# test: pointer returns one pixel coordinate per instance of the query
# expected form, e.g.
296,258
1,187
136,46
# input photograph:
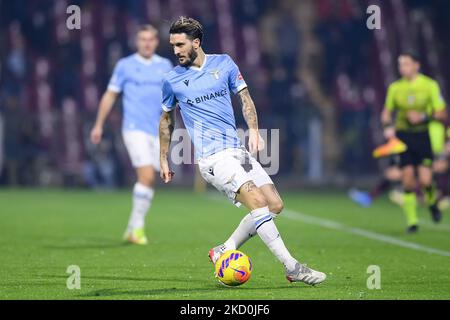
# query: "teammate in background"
139,76
201,86
417,100
392,177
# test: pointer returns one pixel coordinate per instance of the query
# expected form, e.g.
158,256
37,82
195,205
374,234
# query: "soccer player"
201,86
139,76
417,100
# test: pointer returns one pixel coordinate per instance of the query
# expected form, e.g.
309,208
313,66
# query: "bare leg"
258,204
246,228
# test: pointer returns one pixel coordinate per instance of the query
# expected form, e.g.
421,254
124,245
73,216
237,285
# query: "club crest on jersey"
215,73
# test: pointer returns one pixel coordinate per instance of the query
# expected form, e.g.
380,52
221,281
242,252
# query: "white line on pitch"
294,215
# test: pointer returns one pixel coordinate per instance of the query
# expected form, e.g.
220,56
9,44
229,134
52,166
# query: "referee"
415,100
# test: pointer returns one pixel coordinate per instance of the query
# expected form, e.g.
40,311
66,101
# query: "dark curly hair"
191,27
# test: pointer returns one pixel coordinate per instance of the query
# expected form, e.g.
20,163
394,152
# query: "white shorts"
142,147
229,169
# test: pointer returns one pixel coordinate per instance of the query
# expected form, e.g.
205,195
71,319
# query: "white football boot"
302,273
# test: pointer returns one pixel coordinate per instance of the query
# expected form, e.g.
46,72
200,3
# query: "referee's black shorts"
419,152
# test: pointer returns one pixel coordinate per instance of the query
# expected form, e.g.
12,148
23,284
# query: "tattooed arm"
248,109
166,126
255,141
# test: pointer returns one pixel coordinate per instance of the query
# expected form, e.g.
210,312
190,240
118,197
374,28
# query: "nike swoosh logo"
240,271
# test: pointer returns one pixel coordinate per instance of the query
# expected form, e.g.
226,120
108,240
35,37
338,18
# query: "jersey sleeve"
117,80
390,98
235,80
437,101
169,101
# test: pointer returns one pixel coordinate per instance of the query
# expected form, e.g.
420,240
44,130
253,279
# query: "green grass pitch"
42,232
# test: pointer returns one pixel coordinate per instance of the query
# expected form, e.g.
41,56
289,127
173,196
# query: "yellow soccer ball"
233,268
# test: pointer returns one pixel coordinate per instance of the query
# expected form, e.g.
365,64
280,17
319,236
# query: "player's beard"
192,55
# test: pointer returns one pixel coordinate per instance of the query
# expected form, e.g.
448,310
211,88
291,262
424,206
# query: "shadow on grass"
119,278
179,291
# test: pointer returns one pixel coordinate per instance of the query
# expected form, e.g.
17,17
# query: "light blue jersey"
203,95
140,80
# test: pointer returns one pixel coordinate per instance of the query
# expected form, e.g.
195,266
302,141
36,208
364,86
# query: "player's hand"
166,173
416,117
96,134
389,133
255,141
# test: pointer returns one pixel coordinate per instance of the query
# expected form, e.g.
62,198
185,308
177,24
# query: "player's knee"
409,183
259,200
146,178
425,180
393,174
276,206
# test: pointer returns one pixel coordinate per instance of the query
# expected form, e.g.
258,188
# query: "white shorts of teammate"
229,169
143,148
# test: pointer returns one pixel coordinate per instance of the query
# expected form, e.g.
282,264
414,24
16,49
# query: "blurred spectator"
100,166
353,119
20,145
12,133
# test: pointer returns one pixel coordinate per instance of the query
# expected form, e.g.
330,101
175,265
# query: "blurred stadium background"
314,69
